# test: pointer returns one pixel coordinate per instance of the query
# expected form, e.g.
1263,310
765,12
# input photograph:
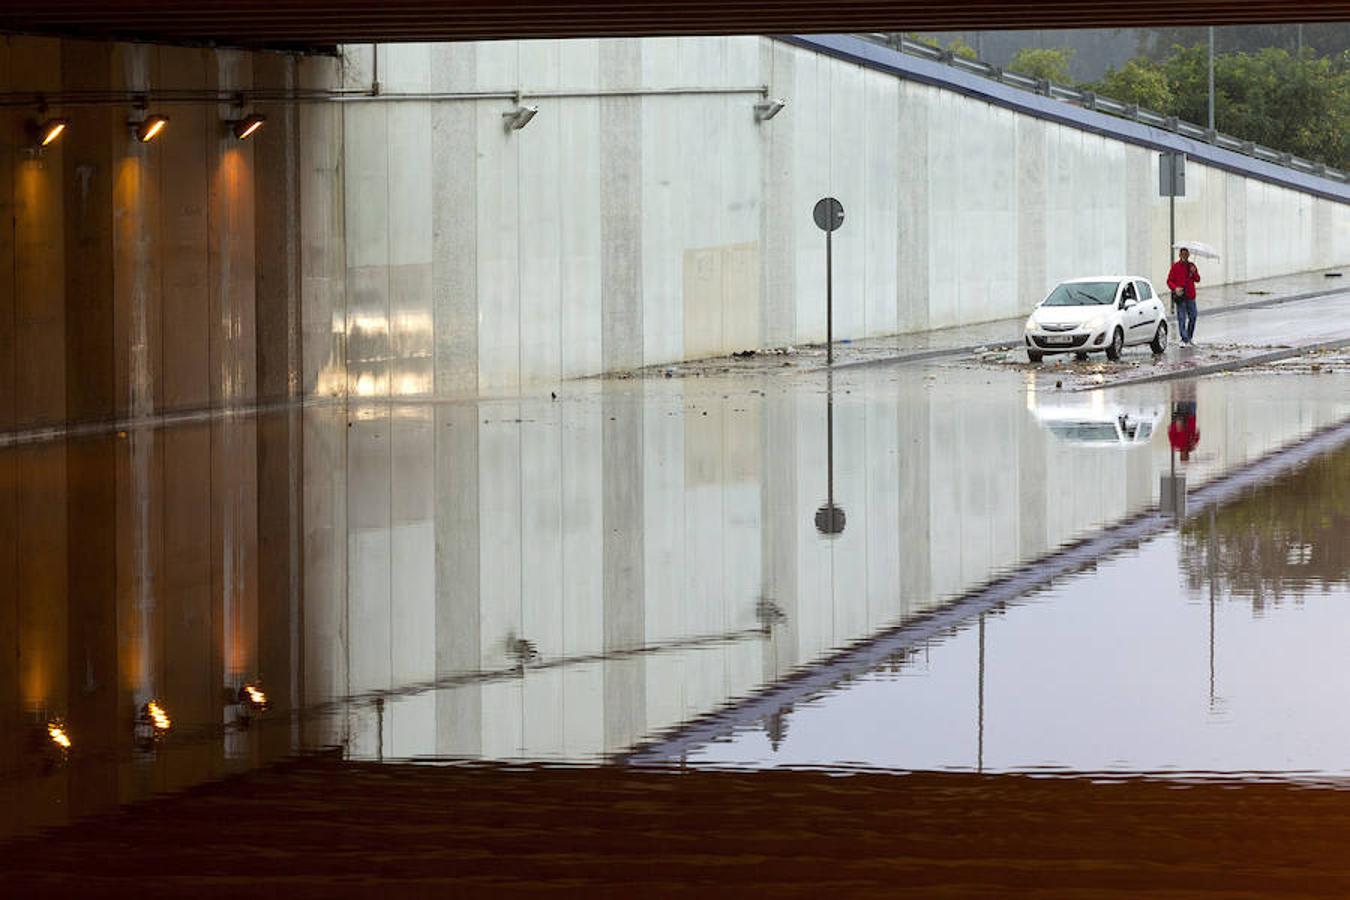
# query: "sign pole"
1171,227
829,215
829,298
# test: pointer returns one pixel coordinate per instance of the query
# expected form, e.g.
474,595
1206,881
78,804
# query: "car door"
1141,320
1129,312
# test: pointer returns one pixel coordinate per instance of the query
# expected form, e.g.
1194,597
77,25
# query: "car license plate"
1059,339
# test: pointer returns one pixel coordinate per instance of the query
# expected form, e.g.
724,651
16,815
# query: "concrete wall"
138,279
619,231
387,247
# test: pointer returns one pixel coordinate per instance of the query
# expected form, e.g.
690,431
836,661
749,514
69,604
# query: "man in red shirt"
1184,433
1182,279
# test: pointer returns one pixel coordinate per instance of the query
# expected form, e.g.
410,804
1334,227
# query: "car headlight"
1097,324
1030,326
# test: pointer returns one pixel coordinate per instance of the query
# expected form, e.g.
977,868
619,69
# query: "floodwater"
890,570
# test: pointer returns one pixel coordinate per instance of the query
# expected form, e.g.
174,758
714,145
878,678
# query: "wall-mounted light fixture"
150,127
519,117
767,109
48,131
245,128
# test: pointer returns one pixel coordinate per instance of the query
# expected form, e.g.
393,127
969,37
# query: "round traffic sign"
829,214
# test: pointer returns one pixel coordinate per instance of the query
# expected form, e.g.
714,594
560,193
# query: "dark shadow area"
324,828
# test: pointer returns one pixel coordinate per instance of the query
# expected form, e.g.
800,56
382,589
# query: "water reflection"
1289,539
830,518
539,578
1209,651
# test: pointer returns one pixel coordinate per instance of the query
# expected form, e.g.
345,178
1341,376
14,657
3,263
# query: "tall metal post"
829,298
829,215
1171,228
1211,78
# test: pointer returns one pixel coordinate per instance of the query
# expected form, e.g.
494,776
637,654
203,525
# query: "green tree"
1139,81
956,46
1052,64
1323,38
1300,105
960,48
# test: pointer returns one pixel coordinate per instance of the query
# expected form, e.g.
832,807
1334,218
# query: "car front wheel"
1159,342
1117,344
1035,355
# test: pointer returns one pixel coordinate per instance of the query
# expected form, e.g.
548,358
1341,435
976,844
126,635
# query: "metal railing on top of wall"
1109,105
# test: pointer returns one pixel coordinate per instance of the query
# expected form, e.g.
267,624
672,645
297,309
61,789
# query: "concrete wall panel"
36,343
914,209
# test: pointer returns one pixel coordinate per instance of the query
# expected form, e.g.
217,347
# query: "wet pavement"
682,573
1240,324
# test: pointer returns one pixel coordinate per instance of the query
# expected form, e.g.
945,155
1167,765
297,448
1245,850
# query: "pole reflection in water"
830,519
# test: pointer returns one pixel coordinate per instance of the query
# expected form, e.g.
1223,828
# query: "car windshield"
1083,293
1084,431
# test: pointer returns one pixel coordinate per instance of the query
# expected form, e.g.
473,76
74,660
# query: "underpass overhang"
316,24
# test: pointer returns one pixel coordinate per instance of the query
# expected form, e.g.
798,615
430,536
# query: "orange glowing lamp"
50,131
150,128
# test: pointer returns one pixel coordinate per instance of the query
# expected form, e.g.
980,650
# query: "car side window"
1144,292
1128,293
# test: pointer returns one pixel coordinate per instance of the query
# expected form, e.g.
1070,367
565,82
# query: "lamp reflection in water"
152,723
58,735
251,701
253,695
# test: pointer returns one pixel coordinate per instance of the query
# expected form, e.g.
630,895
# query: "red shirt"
1184,434
1184,275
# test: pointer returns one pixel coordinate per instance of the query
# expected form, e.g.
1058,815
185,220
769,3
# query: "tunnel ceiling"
319,23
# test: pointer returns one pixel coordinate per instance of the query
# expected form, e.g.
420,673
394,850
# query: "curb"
1214,368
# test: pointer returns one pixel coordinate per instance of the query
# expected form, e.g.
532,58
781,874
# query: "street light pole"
1211,78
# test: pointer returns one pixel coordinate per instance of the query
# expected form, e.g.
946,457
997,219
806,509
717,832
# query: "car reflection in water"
1093,419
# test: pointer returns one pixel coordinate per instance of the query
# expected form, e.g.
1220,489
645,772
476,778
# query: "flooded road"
1215,650
577,579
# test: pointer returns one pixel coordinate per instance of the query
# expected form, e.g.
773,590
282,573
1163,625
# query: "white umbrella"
1197,248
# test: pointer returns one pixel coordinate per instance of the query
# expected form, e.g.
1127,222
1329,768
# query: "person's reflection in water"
1184,433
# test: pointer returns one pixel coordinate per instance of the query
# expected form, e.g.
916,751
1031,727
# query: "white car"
1103,314
1093,420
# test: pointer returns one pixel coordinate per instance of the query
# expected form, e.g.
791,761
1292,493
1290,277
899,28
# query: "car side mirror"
1128,302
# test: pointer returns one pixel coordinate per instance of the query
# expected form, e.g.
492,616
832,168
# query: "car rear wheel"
1035,355
1117,344
1159,342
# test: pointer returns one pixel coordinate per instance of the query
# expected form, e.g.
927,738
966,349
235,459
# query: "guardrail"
1089,100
